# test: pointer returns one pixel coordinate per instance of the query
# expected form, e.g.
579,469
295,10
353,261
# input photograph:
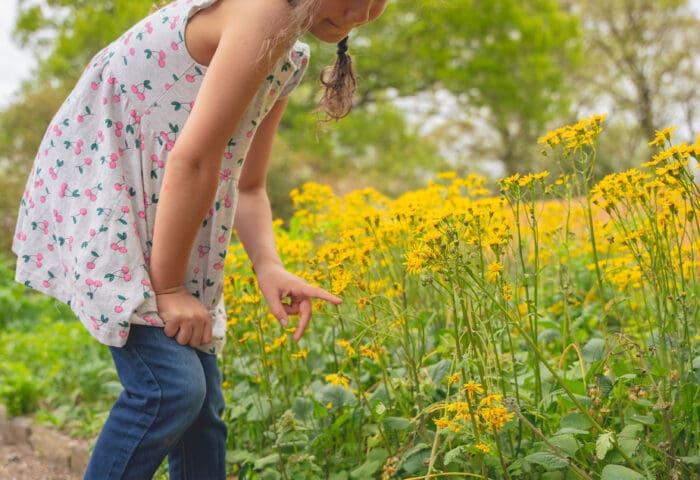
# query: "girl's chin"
328,33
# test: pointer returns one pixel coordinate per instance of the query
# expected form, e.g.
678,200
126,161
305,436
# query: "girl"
129,207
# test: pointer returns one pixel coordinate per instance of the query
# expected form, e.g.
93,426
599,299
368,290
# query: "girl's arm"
236,70
254,226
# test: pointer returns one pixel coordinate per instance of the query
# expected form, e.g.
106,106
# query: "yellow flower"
340,279
472,387
507,291
416,259
483,447
301,354
347,346
662,136
245,337
337,380
368,352
277,343
495,417
441,423
493,271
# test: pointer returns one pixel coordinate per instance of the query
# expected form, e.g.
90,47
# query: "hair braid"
340,83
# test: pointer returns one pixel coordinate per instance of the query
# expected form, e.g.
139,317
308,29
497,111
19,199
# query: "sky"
15,65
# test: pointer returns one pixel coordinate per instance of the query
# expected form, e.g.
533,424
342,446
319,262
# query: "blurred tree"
641,65
504,63
22,126
65,34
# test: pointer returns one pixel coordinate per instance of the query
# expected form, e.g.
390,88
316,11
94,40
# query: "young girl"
129,208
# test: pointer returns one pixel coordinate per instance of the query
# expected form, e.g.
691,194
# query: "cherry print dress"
85,226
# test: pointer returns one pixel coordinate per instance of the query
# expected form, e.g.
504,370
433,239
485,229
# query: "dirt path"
21,462
33,452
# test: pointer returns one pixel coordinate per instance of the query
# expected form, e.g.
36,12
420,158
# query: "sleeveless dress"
85,226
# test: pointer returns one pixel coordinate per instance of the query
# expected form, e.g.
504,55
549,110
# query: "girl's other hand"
185,318
277,284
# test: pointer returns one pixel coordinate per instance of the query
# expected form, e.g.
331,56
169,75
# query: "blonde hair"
338,80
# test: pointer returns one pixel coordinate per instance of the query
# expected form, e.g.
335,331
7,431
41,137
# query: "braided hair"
340,83
339,80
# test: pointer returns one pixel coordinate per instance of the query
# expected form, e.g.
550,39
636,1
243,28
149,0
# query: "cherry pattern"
85,225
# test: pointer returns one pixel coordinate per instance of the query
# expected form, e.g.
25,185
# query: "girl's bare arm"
254,226
237,69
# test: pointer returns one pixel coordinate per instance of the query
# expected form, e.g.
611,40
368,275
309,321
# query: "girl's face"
334,19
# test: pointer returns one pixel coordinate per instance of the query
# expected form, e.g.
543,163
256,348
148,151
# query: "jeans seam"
153,416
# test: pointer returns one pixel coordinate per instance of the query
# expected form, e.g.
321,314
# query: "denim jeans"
171,406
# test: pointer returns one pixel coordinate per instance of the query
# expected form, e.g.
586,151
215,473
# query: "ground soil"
21,462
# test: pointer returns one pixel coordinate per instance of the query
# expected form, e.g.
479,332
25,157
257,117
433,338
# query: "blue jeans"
171,406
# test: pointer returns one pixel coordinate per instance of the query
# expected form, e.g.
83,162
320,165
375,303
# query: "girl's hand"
277,284
185,317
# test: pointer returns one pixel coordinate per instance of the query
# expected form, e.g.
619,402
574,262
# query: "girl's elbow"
195,163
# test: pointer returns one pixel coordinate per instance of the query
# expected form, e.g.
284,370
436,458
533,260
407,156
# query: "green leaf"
547,460
573,431
628,438
239,456
413,460
567,443
269,460
618,472
270,475
643,419
594,350
439,370
336,395
303,408
375,459
258,412
603,444
453,455
397,423
604,384
339,476
577,421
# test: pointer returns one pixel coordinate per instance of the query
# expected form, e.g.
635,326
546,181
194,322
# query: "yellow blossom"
337,380
277,343
483,447
493,271
347,346
472,387
368,352
300,354
662,136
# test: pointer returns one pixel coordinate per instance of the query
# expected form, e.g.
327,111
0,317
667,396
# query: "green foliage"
505,62
20,390
22,308
499,336
65,34
50,365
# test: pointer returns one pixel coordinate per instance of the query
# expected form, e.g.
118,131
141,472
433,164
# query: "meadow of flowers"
547,329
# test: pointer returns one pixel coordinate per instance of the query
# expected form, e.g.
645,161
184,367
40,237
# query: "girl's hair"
339,80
